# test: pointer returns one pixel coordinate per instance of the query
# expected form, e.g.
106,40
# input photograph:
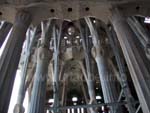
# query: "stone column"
4,31
108,84
88,72
99,54
38,96
141,34
57,42
10,58
137,68
122,72
22,90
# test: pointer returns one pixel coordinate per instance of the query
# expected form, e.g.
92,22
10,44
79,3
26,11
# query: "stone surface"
10,58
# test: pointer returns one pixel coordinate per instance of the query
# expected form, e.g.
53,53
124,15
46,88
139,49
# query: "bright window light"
65,37
74,99
82,110
72,110
98,97
147,20
47,111
103,108
78,110
94,21
51,100
68,110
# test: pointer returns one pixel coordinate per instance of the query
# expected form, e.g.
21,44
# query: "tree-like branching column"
29,44
122,73
137,68
141,34
57,42
108,86
10,58
37,103
88,73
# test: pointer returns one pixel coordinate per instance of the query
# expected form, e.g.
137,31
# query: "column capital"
97,51
23,17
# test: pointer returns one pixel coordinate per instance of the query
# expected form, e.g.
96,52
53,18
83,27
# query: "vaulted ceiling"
72,9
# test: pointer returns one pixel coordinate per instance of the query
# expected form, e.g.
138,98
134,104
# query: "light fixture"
65,37
94,21
51,100
98,97
74,99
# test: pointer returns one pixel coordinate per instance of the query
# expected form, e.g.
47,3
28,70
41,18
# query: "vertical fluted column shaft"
123,77
99,54
39,87
108,84
4,31
137,68
57,42
56,70
22,90
38,95
89,78
10,58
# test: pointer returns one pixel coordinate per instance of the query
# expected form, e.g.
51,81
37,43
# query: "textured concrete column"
38,96
122,73
88,73
108,87
141,34
57,41
4,31
99,54
10,58
22,90
139,72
